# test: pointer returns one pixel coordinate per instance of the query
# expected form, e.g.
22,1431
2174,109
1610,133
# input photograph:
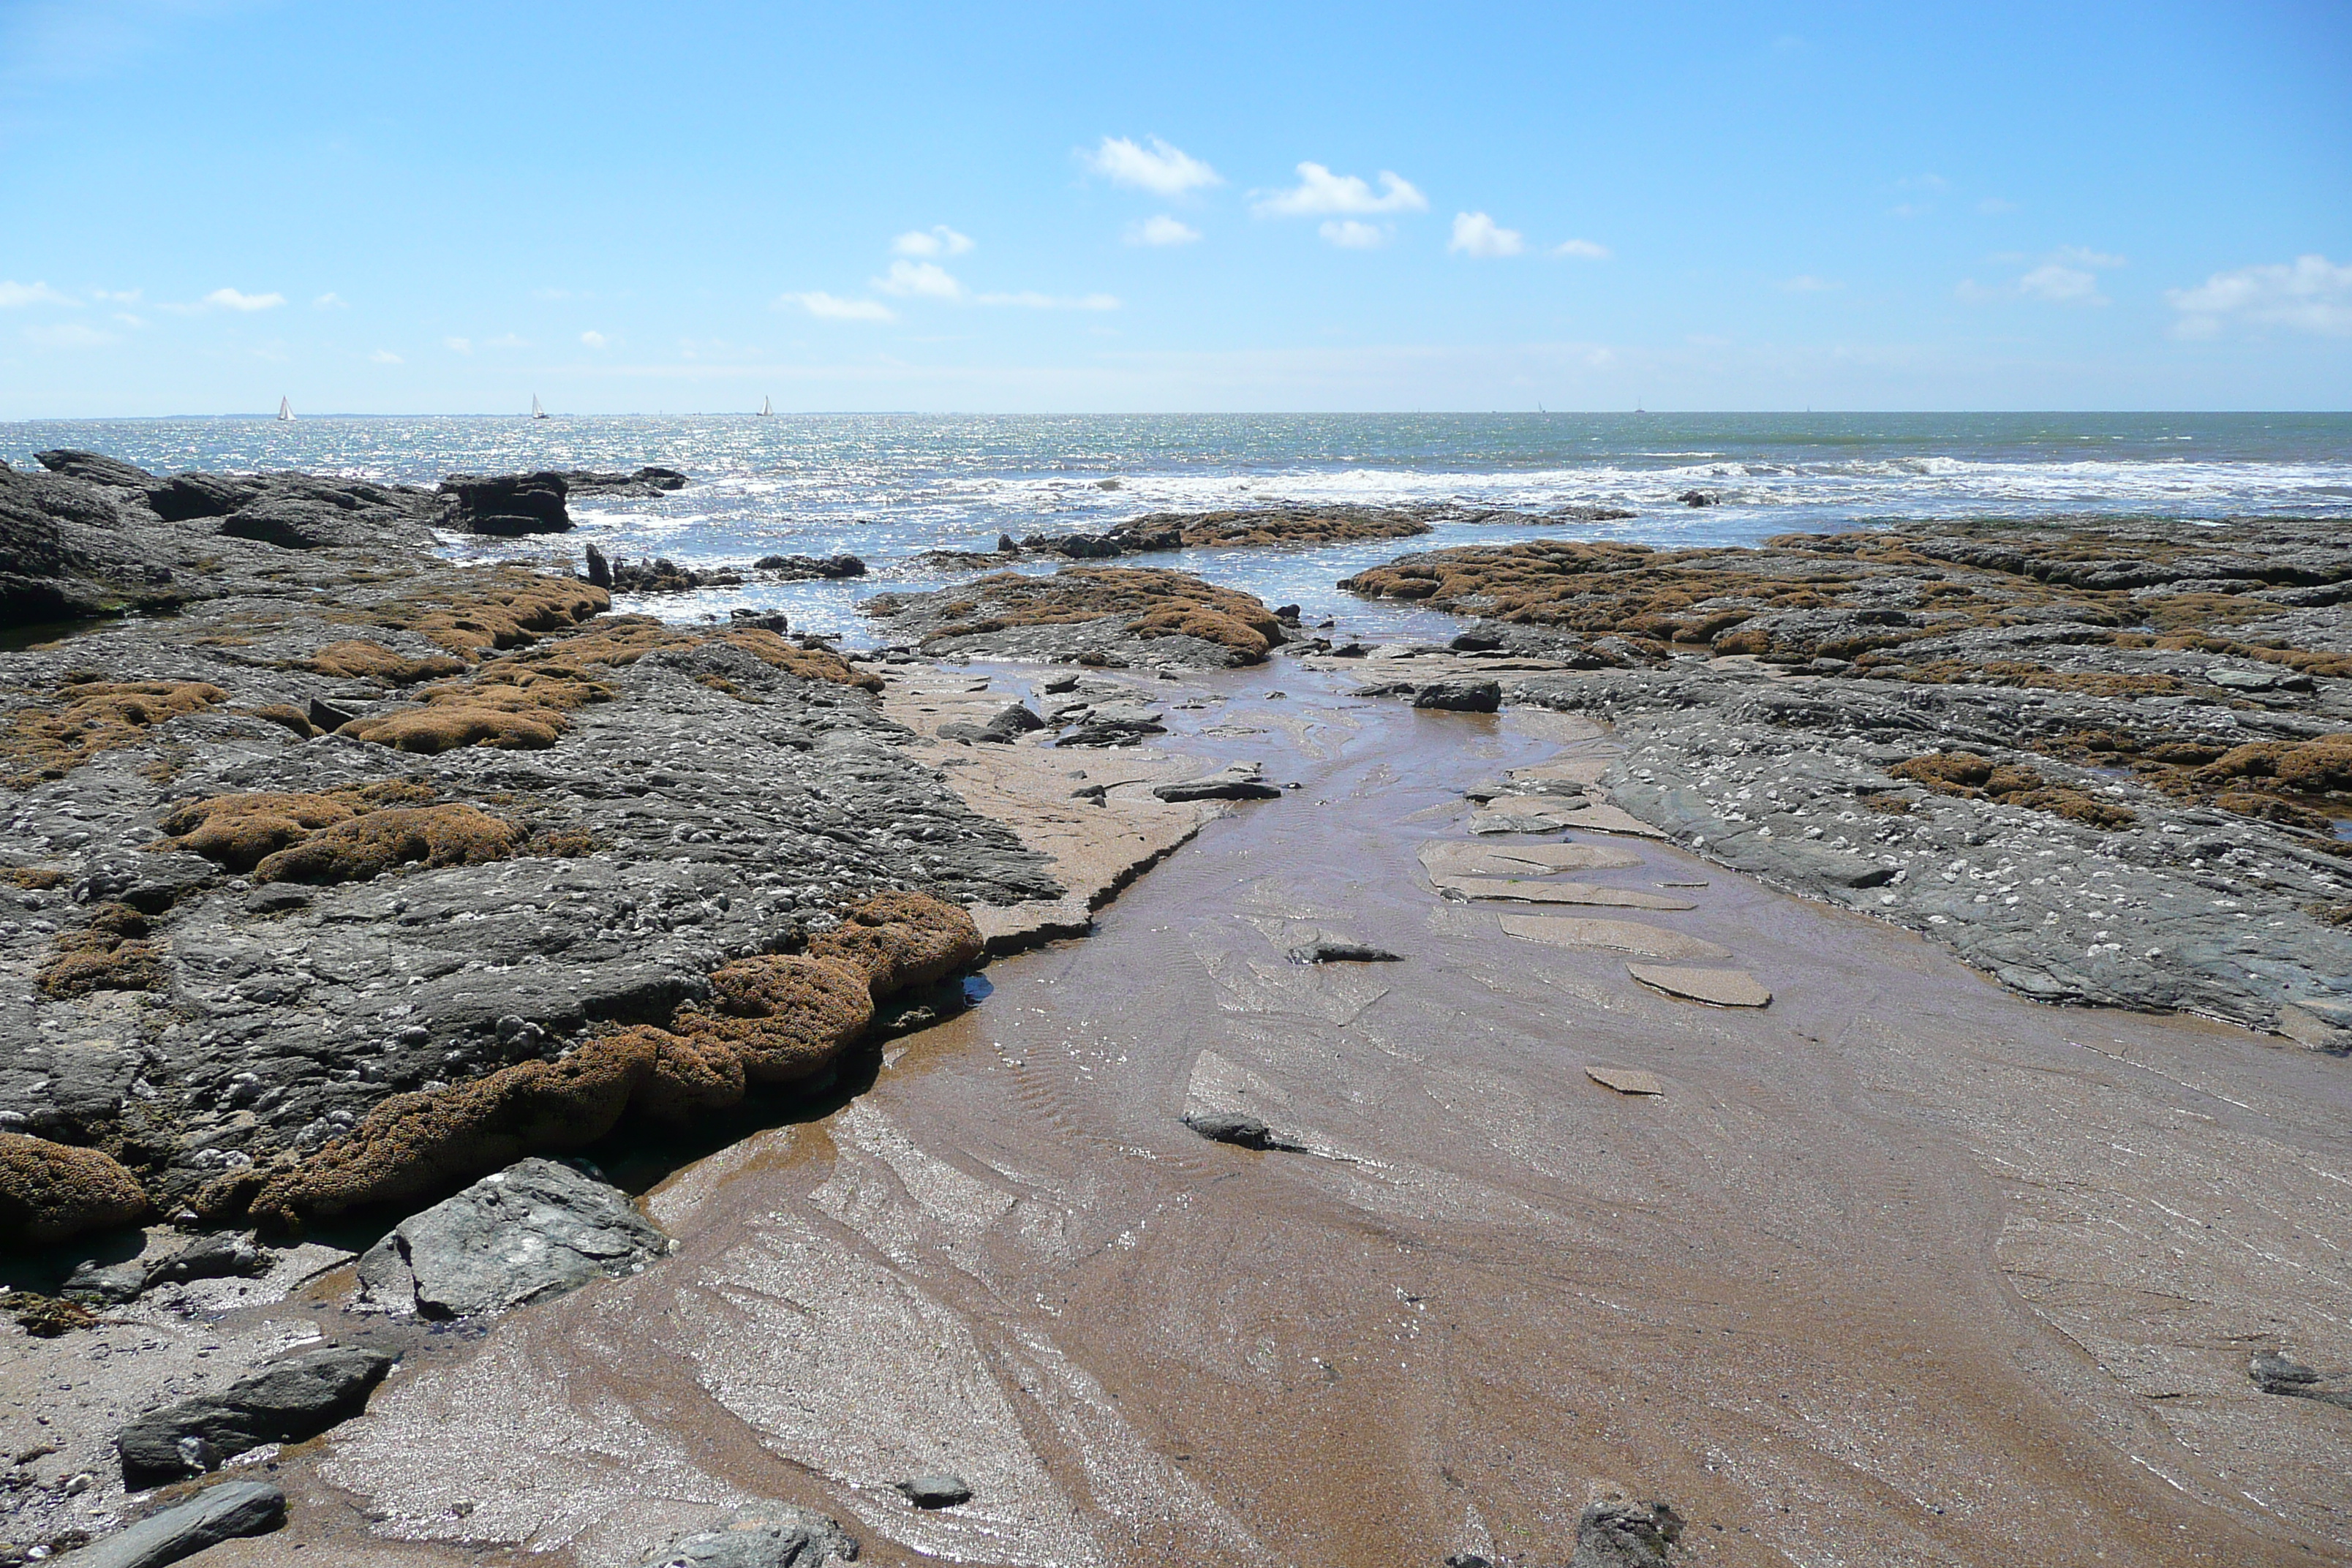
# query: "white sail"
536,411
285,409
767,406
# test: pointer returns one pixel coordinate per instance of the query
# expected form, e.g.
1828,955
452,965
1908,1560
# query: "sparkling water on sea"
887,487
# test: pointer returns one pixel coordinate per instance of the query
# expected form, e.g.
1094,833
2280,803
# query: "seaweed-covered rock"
51,1192
1108,615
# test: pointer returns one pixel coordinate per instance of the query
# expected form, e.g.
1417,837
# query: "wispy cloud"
330,301
69,336
2069,276
594,340
1994,207
833,307
927,279
119,296
1476,233
2309,294
1030,300
937,240
385,357
1320,191
459,345
1160,230
505,341
1806,283
236,299
1348,234
15,296
1161,169
1582,249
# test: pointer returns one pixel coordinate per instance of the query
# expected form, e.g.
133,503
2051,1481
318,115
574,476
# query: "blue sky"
445,208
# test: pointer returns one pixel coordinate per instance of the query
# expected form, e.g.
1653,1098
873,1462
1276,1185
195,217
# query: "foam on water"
886,487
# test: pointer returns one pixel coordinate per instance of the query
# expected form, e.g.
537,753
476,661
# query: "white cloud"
1321,190
128,320
1476,233
1349,234
937,240
1031,300
833,307
1994,207
2075,255
2058,284
1159,168
68,336
119,297
594,340
233,299
927,278
1806,283
385,357
1583,249
15,295
2310,294
505,341
1160,230
330,301
461,345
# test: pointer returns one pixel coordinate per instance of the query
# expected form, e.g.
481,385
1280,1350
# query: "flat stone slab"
1627,1080
1615,819
1616,936
1518,822
1442,856
215,1514
1716,987
1575,770
1535,891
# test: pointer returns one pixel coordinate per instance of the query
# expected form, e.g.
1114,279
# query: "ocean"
887,487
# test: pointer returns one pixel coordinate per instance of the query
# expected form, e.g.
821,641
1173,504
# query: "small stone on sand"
935,1492
1627,1080
1717,988
1619,936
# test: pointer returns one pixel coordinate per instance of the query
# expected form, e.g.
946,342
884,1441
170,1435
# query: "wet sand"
1899,1269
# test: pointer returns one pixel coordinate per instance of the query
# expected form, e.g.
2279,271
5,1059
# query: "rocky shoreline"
340,885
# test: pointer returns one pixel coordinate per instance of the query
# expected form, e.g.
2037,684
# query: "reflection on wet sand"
1898,1270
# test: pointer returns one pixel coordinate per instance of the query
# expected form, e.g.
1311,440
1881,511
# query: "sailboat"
536,411
767,406
285,409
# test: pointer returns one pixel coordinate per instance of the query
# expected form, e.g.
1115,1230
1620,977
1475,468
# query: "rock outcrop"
286,1401
1108,616
762,1535
533,1230
216,1514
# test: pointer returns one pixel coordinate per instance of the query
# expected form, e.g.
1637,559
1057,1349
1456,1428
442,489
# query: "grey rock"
1460,696
2275,1373
942,1490
218,1514
95,468
533,1230
507,504
223,1256
1240,781
1615,1531
112,1283
1241,1131
1332,950
762,1535
283,1402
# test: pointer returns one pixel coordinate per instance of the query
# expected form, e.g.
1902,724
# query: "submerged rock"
762,1535
1241,1131
1616,1531
224,1512
1335,949
284,1403
1243,781
533,1230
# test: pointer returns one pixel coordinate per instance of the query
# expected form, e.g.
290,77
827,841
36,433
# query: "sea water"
886,487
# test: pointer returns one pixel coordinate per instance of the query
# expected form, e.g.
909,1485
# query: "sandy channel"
1897,1270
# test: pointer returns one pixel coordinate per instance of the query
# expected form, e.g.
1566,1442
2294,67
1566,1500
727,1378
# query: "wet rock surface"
1274,526
2014,739
284,1403
762,1536
216,1514
533,1230
1109,616
518,832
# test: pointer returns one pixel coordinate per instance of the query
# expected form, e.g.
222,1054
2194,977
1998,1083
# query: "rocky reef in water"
2106,761
363,874
1108,616
1295,526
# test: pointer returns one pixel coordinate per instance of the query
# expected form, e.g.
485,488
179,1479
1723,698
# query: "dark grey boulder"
935,1492
646,481
283,1402
2275,1373
213,1515
507,504
1240,781
1242,1132
226,1254
94,468
1006,727
763,1535
1329,950
804,566
296,524
1460,696
533,1230
600,570
1615,1531
109,1283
